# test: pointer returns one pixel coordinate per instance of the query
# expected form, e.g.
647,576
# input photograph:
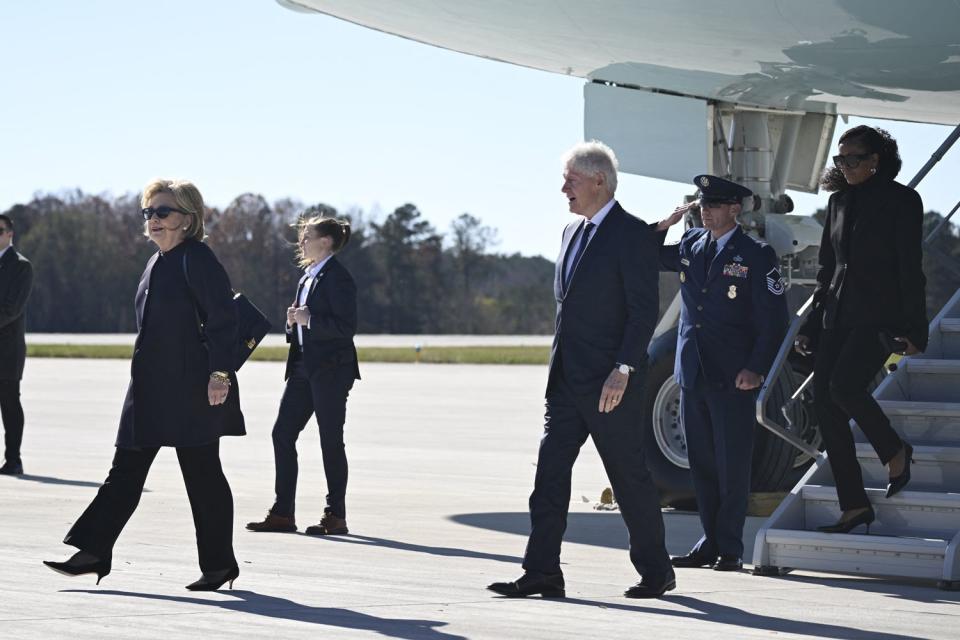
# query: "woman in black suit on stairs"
183,392
869,302
321,369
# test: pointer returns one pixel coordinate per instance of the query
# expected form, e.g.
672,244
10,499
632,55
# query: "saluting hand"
676,216
747,380
613,390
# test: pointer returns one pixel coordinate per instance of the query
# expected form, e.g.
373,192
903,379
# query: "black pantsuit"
97,530
846,363
870,281
324,394
16,281
167,404
11,412
319,374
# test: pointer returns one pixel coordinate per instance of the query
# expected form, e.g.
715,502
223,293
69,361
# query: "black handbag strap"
193,298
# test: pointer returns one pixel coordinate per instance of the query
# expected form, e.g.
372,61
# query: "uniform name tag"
736,270
684,262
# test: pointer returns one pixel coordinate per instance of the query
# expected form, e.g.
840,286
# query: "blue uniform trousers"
719,429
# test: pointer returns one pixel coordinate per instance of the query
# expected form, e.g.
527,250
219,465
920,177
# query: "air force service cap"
719,191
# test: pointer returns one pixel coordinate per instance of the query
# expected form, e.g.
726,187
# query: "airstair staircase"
917,532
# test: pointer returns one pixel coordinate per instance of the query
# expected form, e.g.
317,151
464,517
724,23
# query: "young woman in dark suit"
182,393
869,301
321,368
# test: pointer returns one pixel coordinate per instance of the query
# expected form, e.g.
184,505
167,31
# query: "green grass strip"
433,355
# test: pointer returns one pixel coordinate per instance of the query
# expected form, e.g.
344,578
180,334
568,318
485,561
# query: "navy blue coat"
608,313
732,318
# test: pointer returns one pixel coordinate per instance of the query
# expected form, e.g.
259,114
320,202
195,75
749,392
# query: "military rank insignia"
732,291
736,270
775,282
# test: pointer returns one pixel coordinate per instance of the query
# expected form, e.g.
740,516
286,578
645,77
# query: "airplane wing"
897,60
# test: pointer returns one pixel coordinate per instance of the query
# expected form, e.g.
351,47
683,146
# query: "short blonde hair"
187,197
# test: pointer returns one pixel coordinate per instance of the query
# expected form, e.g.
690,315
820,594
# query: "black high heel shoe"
845,526
899,482
75,567
215,580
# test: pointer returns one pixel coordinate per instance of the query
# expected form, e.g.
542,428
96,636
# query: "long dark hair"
872,140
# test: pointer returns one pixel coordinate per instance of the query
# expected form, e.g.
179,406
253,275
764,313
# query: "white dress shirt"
310,274
597,218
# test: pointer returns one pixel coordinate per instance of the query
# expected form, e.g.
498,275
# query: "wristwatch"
625,369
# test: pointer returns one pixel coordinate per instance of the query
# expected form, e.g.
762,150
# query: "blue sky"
245,96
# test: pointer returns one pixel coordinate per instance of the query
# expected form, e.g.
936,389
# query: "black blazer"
328,342
16,279
609,311
166,402
871,263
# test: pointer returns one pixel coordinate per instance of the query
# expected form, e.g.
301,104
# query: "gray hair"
593,157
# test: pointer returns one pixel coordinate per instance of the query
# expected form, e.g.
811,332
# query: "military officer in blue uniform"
732,321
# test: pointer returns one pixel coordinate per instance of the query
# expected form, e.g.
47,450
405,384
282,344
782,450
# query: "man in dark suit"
606,287
16,278
732,321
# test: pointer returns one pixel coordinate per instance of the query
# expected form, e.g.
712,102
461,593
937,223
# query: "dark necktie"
584,240
709,255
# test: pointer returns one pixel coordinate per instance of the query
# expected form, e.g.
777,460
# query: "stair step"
909,513
925,423
934,468
930,380
914,557
950,337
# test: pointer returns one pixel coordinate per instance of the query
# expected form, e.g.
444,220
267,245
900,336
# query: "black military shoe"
650,587
694,559
12,469
548,585
728,563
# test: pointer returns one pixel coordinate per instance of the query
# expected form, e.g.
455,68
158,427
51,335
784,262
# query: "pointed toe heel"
897,483
75,568
213,581
846,526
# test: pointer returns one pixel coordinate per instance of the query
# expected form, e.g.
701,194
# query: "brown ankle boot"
273,522
330,525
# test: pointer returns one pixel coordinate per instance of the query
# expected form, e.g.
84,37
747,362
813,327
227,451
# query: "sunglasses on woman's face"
850,161
160,212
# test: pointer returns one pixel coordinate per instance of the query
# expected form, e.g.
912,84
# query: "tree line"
89,251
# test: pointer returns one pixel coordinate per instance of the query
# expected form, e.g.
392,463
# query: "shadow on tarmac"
603,529
61,481
419,548
283,609
732,616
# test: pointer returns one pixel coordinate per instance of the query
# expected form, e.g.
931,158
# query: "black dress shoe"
12,469
548,585
845,526
897,483
214,580
694,559
728,563
81,563
650,587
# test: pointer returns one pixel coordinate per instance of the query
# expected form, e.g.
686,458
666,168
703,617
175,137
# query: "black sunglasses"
851,160
160,212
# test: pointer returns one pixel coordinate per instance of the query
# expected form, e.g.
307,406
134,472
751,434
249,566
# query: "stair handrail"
770,381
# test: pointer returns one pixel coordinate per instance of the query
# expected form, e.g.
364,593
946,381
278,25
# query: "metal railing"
780,363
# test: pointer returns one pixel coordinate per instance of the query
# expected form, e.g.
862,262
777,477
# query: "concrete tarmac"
442,459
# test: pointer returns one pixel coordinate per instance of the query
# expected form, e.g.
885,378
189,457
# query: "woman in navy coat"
182,393
321,368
